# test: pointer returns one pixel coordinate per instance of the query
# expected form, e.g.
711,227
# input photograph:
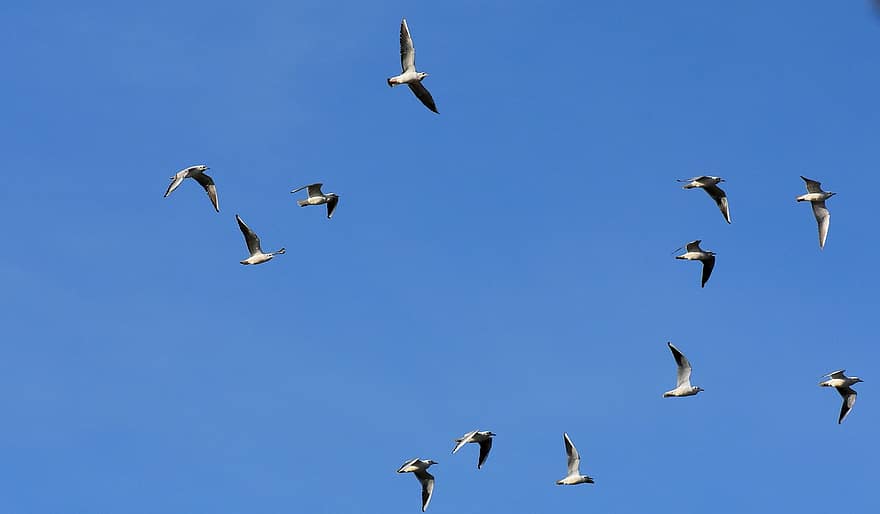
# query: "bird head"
422,75
491,434
857,379
431,462
698,389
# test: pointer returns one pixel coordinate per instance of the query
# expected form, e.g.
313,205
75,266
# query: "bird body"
409,75
574,476
817,198
419,468
253,243
693,252
484,439
683,375
196,173
839,381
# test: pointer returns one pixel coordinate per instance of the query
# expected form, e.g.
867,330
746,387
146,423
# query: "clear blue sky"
505,265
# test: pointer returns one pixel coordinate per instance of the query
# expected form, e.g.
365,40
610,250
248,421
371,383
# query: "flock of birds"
412,78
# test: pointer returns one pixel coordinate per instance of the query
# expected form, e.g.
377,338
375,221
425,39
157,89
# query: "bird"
817,198
695,253
316,197
420,469
842,383
574,476
253,243
483,438
410,76
198,174
683,385
709,184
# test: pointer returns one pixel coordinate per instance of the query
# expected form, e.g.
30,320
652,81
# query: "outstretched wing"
208,183
720,198
422,94
574,458
427,481
836,374
823,219
849,399
465,439
694,246
331,206
684,366
176,180
708,266
485,447
812,185
250,237
407,50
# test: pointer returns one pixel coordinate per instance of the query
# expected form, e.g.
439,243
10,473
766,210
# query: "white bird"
817,198
483,438
695,253
420,469
710,185
316,197
683,385
410,76
574,476
198,174
842,383
253,244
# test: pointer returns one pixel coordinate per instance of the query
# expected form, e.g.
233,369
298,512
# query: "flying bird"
683,385
817,198
695,253
420,469
198,174
316,197
710,185
253,244
842,383
483,438
574,476
410,76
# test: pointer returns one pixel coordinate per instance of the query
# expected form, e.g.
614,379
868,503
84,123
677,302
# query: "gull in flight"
420,469
683,386
410,76
483,438
817,198
253,244
316,197
710,185
695,253
842,383
197,173
574,476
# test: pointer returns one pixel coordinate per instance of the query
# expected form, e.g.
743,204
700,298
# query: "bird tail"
302,203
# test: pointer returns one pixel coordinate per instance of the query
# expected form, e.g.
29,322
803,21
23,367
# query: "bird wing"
315,189
574,458
692,179
208,183
720,198
694,246
407,50
708,266
250,237
422,94
427,481
331,206
812,185
485,448
823,218
836,374
684,366
465,439
849,399
407,464
176,180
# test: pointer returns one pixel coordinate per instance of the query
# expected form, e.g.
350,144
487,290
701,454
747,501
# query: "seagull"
842,383
483,438
410,76
683,387
420,468
695,253
316,197
710,185
197,173
253,244
817,198
574,476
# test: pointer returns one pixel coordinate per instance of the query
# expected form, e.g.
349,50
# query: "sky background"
506,265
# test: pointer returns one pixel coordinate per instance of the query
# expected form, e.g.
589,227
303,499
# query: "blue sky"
505,265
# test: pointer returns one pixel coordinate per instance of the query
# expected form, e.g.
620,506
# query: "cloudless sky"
505,265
